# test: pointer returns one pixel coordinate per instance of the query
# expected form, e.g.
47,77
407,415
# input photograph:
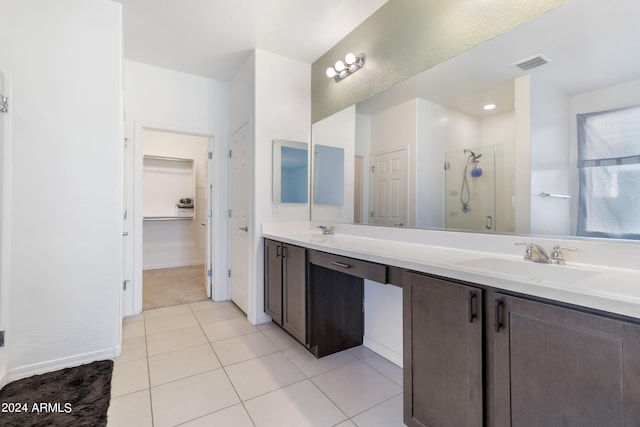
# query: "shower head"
472,156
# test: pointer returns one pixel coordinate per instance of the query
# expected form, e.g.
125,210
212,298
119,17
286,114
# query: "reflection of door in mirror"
479,188
389,188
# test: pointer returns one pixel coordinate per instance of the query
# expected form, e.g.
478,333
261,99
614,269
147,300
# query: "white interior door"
389,189
239,231
208,246
127,229
4,226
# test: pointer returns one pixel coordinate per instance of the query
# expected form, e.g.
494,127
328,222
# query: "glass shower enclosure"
479,188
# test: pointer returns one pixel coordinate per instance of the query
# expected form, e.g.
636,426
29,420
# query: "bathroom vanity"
480,346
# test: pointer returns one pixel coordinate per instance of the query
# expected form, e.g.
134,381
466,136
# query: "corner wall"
282,111
65,61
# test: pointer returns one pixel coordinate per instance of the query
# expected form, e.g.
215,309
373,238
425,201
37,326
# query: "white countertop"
615,290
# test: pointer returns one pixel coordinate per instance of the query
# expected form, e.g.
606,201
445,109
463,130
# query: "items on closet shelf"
186,202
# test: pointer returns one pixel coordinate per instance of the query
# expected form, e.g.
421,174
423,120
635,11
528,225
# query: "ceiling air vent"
532,62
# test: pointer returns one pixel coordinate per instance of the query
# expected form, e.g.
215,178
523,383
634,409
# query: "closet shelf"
166,181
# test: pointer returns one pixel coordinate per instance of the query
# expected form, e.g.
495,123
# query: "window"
609,169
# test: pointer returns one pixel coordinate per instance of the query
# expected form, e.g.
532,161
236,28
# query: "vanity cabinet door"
273,280
294,291
554,366
443,376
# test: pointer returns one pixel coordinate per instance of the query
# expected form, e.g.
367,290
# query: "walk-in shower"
479,186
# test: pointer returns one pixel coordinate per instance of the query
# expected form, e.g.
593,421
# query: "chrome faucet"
534,252
327,231
556,254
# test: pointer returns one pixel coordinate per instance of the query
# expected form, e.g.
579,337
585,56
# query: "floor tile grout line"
375,406
146,350
382,373
356,358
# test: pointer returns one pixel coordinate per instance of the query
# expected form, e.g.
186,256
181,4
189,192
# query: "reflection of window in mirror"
290,172
609,169
328,175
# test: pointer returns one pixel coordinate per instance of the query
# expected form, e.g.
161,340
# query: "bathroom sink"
529,270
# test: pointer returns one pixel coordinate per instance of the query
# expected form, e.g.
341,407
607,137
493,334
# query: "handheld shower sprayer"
476,172
473,157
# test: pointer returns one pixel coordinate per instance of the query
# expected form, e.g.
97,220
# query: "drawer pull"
472,314
339,264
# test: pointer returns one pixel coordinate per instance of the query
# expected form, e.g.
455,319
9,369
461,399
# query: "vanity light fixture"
489,107
342,69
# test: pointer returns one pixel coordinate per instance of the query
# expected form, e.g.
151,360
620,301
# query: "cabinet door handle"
278,251
339,264
284,251
472,297
497,323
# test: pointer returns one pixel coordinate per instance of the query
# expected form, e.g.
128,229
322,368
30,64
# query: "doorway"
176,204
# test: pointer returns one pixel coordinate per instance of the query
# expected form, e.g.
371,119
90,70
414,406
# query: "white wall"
64,58
383,320
158,98
177,243
363,149
549,159
522,110
282,111
337,130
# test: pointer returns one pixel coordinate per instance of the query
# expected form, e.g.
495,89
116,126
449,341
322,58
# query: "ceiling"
591,44
212,38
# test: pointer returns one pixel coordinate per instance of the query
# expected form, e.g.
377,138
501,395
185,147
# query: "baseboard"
54,365
382,350
174,265
4,379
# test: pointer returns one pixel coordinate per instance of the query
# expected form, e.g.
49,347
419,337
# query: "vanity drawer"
353,267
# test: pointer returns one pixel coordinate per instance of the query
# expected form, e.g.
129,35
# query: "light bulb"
489,106
339,66
331,72
350,59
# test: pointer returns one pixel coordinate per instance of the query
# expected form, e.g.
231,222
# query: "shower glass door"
479,188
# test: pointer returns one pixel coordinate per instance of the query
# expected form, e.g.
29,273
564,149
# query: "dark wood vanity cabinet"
285,287
555,366
443,353
476,356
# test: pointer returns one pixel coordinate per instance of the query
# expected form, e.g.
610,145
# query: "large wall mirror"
432,156
290,171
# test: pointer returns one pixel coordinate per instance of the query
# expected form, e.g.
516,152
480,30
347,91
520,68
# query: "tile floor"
204,364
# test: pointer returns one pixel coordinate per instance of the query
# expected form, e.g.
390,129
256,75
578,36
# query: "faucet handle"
556,254
528,254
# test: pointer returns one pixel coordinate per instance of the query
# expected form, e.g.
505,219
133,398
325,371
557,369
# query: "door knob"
245,228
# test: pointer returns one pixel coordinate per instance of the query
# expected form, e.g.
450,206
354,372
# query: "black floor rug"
76,396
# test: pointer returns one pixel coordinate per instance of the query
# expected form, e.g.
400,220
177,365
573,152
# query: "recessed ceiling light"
489,106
